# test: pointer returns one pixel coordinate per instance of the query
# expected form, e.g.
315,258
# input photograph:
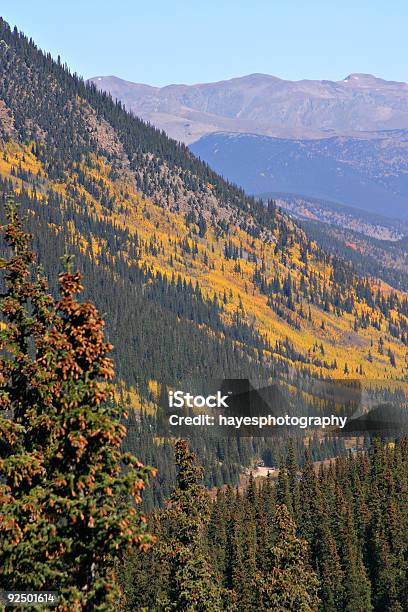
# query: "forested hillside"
384,259
195,279
332,540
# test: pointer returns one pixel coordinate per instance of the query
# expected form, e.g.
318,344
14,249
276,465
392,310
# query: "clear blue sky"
189,41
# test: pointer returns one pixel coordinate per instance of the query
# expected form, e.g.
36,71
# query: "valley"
203,321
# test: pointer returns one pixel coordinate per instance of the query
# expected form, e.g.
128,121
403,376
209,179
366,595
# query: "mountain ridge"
370,173
268,105
337,140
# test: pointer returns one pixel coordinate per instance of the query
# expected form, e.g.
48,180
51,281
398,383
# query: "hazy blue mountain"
368,173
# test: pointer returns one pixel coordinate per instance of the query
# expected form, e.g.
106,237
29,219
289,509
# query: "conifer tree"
192,584
283,493
68,493
235,570
309,493
293,481
356,583
288,582
327,560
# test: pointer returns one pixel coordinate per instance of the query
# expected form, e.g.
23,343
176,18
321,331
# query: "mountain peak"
259,76
361,79
361,76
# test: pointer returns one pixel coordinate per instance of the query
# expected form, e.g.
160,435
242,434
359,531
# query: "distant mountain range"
345,141
376,245
357,220
264,104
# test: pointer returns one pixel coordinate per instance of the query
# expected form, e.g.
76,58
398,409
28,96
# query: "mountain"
196,280
378,258
344,141
368,172
376,245
266,105
338,215
185,265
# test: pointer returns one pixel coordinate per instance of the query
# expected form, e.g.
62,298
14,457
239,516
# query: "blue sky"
189,41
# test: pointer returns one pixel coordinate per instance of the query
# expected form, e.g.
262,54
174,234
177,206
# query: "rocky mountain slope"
325,211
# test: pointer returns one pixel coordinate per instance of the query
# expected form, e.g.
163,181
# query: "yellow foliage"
168,231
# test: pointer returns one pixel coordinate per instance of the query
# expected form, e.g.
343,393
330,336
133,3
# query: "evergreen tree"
356,584
288,583
67,491
293,481
192,584
283,493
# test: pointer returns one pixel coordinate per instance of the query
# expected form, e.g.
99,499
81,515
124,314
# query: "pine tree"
249,547
192,584
293,480
235,569
308,512
283,493
356,583
68,493
327,560
288,583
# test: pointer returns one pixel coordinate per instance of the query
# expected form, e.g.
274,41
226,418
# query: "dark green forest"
335,539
